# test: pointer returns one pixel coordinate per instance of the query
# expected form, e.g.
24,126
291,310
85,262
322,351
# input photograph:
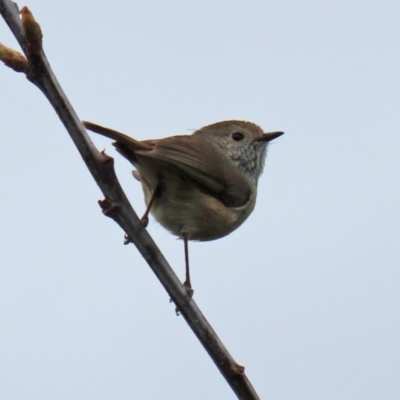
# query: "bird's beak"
268,136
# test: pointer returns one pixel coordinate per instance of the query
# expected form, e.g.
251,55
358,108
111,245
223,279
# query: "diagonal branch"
116,204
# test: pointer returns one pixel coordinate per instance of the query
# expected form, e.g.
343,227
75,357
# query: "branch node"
108,207
237,369
106,157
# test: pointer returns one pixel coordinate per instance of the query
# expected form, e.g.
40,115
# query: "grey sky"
305,294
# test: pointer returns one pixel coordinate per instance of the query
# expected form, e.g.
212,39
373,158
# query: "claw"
127,239
145,221
189,292
188,288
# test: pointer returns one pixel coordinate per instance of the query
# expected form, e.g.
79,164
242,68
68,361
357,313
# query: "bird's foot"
127,239
189,292
187,285
145,221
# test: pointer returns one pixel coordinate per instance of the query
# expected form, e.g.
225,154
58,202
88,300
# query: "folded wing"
199,159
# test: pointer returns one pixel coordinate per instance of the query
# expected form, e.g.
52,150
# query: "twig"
116,205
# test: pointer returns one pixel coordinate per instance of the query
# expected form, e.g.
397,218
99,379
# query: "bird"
201,186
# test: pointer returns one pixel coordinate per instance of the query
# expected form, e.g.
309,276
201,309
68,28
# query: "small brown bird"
201,186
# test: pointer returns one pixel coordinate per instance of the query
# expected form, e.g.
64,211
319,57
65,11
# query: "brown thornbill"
201,186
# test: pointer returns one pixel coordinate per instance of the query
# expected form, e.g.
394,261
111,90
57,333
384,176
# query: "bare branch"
116,205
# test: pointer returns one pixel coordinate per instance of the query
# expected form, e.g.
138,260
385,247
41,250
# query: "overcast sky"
305,294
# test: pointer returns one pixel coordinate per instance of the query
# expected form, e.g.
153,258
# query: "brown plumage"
201,186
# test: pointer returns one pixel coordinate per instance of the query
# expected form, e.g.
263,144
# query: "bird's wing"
191,156
197,158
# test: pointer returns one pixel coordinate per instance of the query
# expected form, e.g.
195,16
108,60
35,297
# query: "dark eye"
237,136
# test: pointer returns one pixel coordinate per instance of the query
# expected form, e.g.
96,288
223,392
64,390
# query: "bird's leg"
187,282
145,218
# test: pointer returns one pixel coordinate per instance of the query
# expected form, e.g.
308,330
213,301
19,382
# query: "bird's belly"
198,215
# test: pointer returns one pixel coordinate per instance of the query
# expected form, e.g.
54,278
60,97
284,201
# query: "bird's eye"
237,136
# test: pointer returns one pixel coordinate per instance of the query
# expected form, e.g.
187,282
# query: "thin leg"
187,283
145,217
187,280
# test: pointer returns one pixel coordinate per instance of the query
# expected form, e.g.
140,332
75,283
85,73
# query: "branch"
116,205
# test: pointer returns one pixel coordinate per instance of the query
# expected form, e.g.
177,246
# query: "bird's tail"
119,137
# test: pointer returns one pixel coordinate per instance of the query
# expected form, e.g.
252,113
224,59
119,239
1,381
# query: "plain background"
305,294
